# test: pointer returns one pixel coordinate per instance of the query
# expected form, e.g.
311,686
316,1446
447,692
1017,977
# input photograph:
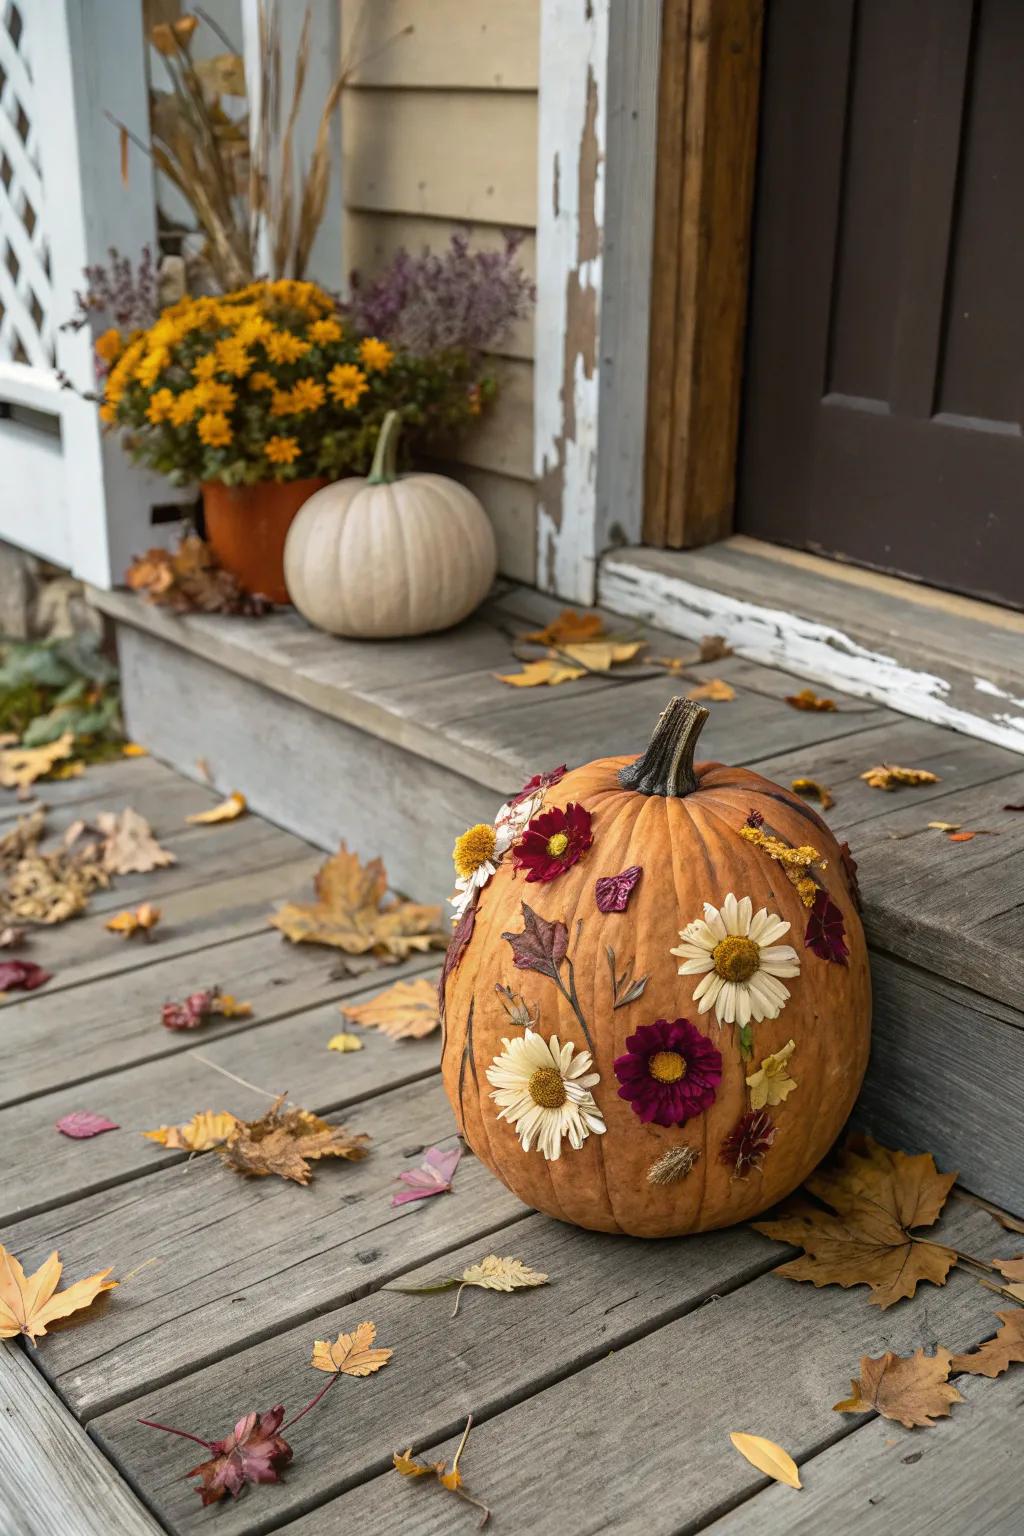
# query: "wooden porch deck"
603,1401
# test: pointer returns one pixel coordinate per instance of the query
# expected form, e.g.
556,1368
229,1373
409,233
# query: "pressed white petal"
725,1004
730,915
758,923
774,930
695,967
594,1121
712,983
716,925
742,1005
744,910
778,954
700,934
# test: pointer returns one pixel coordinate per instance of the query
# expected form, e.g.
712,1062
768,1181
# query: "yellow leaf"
535,674
132,749
913,1390
143,920
813,791
771,1083
768,1458
494,1274
602,655
1005,1349
890,776
406,1463
569,628
29,1304
235,805
344,1042
353,913
808,699
450,1480
351,1354
230,1008
715,689
22,766
406,1011
944,826
205,1130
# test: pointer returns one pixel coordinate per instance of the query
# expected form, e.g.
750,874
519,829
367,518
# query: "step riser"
947,1067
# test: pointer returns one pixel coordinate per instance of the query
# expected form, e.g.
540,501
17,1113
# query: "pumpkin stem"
384,469
666,768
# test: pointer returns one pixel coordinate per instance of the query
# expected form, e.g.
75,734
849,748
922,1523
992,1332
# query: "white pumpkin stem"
384,469
666,768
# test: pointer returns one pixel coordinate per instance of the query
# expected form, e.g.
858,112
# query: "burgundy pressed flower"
254,1452
744,1148
670,1072
826,934
754,818
613,891
539,781
553,842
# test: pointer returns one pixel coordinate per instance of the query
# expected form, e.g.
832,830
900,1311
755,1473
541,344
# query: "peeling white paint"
804,647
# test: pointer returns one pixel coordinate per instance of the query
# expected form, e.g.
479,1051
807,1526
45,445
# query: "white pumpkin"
390,554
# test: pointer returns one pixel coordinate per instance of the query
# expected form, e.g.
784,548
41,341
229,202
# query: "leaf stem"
477,1504
152,1424
312,1403
462,1443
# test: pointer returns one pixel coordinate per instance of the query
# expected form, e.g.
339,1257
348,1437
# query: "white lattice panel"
26,289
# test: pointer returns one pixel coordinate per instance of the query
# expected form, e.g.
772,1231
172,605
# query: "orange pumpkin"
657,1000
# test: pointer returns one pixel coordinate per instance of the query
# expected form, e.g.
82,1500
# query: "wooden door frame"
708,95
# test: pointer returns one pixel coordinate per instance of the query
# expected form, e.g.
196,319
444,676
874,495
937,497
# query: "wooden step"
398,746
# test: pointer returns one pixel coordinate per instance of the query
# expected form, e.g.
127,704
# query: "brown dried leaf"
285,1141
890,776
715,689
22,766
913,1389
208,1128
997,1354
570,628
189,580
808,699
228,810
351,913
130,847
351,1354
877,1197
1010,1269
548,672
813,791
714,648
406,1011
142,921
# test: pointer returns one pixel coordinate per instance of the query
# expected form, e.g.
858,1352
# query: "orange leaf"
406,1011
143,920
569,628
813,791
352,912
891,776
912,1390
228,810
351,1354
206,1129
808,699
996,1355
715,690
28,1305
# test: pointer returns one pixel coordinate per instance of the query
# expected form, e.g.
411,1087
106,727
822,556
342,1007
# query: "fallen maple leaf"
411,1466
997,1354
569,628
716,690
406,1011
143,920
351,913
890,776
285,1141
768,1458
189,580
601,655
344,1042
130,847
252,1453
548,671
29,1305
877,1198
1011,1269
431,1177
22,766
83,1123
228,810
808,699
490,1274
812,790
22,976
913,1389
205,1130
351,1354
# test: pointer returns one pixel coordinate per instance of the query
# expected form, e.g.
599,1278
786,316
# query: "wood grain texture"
967,1476
770,1358
235,1260
482,1360
454,44
707,137
55,1480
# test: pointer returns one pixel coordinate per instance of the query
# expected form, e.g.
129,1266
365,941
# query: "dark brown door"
885,380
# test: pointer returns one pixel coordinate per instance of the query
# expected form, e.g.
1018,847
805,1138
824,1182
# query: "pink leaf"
22,976
433,1176
613,891
82,1123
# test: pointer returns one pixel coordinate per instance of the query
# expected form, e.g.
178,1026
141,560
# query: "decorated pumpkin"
389,555
656,1000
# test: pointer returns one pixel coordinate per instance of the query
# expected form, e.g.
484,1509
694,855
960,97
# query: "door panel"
885,383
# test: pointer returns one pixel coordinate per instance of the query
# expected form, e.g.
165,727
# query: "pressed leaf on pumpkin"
913,1390
877,1199
406,1011
28,1304
352,912
285,1141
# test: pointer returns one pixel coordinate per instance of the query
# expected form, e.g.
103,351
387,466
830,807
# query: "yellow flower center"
666,1066
557,844
546,1088
472,849
736,959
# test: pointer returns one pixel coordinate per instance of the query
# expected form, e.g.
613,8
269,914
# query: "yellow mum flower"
205,367
347,383
108,346
159,407
281,405
212,395
323,332
282,347
375,355
165,332
108,412
232,357
281,450
307,395
262,380
184,408
253,328
152,366
214,429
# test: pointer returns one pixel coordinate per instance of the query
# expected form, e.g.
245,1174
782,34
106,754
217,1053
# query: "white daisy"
736,952
545,1093
476,856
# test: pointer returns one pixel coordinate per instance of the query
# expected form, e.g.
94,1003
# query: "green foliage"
49,687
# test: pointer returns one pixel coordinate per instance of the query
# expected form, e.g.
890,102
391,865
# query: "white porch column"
597,124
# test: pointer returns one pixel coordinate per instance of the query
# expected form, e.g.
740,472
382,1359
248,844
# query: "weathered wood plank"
116,1022
946,1076
458,44
116,780
770,1358
602,1295
235,1260
55,1480
965,1476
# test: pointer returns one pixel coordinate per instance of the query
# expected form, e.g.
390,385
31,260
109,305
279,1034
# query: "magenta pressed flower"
553,842
744,1148
613,891
670,1072
826,934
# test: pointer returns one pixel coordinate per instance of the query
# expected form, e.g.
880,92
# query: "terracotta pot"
246,526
